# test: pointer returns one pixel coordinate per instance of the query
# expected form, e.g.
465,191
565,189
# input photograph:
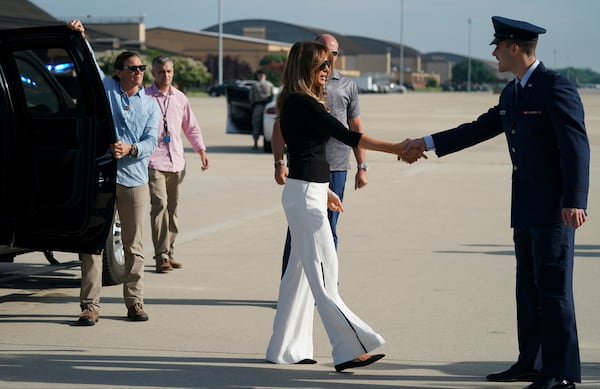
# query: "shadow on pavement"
62,367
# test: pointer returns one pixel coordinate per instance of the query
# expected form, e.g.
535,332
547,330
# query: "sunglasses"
325,64
133,69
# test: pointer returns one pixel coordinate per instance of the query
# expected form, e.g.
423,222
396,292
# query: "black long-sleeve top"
306,127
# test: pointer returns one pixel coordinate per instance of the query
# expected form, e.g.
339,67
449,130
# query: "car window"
49,82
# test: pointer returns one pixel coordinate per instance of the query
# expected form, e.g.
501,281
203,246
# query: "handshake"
410,150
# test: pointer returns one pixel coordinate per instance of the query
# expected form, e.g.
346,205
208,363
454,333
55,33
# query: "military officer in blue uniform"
542,117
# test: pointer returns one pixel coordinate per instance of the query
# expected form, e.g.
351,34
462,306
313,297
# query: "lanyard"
166,137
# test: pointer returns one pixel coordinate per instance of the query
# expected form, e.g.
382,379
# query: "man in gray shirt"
342,100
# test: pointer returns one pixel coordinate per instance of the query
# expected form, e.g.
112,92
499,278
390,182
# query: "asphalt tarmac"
426,259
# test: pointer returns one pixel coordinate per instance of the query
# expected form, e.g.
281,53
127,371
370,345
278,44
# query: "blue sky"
428,25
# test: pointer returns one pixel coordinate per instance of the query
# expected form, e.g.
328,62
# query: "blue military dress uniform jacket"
547,143
550,154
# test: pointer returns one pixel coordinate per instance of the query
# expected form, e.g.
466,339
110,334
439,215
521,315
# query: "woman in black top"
312,272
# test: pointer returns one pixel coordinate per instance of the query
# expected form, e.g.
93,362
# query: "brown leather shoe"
174,264
89,316
136,313
163,266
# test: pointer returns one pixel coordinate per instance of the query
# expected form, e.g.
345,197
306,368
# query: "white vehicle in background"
376,84
365,84
268,121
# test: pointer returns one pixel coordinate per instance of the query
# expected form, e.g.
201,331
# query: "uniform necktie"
519,92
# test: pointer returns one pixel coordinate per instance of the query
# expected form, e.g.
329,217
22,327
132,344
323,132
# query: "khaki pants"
132,205
164,198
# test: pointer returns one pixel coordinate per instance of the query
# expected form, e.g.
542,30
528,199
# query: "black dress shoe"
514,374
550,383
354,363
564,384
305,361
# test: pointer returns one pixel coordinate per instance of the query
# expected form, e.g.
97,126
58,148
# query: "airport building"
249,40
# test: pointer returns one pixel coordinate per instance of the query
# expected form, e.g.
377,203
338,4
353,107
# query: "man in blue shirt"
135,118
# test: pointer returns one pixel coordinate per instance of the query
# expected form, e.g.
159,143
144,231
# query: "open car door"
57,175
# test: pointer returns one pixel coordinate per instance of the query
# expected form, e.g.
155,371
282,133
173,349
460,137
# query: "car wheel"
267,146
113,256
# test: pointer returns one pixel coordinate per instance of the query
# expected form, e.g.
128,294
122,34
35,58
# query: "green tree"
431,83
581,76
189,73
480,73
273,57
273,64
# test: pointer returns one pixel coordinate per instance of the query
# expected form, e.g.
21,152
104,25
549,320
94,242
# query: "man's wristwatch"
363,166
134,151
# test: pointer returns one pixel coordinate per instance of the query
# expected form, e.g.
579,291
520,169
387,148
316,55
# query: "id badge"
166,135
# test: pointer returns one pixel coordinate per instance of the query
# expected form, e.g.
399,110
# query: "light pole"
220,46
401,67
469,60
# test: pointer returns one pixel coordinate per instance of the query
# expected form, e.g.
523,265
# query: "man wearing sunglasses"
135,118
342,100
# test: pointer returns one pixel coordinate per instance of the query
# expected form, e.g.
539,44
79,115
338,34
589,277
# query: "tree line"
194,75
483,74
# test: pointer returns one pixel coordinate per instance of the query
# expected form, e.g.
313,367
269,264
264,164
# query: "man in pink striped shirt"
167,164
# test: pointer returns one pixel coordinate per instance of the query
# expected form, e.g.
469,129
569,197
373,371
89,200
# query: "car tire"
267,146
113,256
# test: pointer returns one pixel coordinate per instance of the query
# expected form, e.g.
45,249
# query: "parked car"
239,112
217,90
397,88
57,176
221,89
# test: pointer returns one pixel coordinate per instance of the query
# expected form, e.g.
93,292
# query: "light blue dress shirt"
136,122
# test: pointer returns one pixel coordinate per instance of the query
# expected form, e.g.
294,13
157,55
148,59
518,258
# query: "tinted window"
49,82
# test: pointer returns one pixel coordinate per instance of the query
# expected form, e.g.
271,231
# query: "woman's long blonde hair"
300,71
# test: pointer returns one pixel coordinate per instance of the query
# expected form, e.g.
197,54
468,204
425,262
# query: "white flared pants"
312,276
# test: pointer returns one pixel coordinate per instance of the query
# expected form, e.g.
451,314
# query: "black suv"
57,176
